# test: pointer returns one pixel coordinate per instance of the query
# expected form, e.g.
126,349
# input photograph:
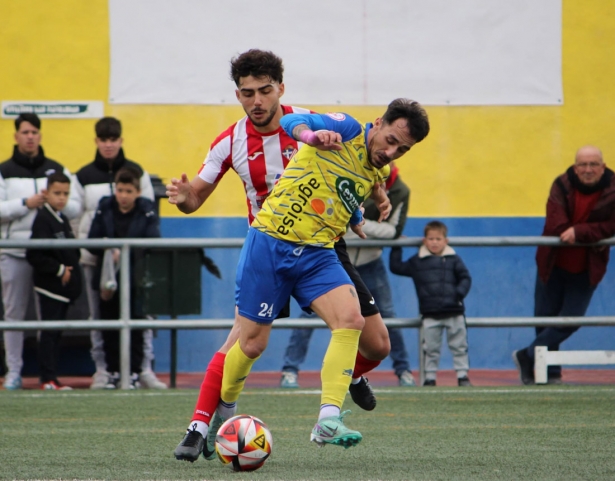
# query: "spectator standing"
442,282
22,180
125,214
371,268
580,209
95,181
57,275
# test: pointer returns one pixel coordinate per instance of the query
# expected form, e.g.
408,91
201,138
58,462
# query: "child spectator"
125,214
56,274
442,281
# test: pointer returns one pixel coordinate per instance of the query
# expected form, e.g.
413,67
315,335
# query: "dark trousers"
563,295
111,339
49,341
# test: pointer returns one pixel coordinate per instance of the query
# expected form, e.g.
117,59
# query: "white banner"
57,109
349,52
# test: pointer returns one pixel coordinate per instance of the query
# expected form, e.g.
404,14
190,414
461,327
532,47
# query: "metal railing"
125,323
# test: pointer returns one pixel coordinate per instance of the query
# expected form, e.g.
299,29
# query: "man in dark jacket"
22,180
57,275
442,281
580,209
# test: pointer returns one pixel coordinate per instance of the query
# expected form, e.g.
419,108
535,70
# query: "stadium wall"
483,170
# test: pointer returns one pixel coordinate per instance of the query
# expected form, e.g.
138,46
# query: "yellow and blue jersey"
320,190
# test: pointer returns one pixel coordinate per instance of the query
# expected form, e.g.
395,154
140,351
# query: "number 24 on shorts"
266,311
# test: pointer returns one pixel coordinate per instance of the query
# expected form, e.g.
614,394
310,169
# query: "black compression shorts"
368,305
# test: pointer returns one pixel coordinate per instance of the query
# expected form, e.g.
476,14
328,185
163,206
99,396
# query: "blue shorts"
270,270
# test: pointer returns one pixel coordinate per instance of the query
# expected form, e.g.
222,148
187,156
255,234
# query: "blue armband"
356,217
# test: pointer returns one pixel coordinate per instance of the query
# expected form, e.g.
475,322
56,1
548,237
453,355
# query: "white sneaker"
289,380
406,379
149,380
99,380
12,381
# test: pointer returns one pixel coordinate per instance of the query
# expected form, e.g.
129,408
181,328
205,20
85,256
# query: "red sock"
209,395
362,366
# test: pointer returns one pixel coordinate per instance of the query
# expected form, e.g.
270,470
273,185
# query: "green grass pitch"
533,433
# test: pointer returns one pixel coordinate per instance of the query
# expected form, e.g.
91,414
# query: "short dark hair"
59,177
128,175
413,113
436,225
30,118
108,128
257,63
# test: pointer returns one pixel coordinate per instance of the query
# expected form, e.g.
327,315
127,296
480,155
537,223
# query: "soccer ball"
244,443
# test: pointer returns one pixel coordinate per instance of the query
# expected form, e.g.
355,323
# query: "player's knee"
253,348
353,320
375,348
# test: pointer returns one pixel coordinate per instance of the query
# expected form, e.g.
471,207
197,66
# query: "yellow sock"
337,366
236,369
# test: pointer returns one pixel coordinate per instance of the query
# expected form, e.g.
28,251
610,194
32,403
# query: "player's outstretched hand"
358,229
322,139
178,190
382,201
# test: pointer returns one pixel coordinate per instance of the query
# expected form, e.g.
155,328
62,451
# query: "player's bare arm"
187,195
381,199
321,139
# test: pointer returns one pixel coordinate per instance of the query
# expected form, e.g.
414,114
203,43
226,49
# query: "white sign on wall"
61,109
350,52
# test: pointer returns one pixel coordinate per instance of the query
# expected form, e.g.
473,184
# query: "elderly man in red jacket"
580,209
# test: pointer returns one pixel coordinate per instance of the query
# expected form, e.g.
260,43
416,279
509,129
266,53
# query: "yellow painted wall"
477,161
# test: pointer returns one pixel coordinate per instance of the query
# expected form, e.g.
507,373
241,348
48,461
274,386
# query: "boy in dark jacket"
125,214
442,281
57,275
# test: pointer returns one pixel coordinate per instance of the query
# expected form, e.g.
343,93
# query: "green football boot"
209,450
331,430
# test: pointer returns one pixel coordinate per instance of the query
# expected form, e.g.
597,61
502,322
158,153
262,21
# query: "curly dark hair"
257,63
413,113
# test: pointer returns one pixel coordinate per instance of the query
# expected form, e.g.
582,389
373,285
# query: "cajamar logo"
350,193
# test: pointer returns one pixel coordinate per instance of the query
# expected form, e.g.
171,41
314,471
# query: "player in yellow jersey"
288,250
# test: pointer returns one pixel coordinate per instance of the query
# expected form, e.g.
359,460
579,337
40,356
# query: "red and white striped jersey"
259,159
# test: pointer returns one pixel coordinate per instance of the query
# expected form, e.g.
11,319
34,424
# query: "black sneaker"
113,381
191,446
363,395
553,379
525,367
429,382
464,382
135,382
